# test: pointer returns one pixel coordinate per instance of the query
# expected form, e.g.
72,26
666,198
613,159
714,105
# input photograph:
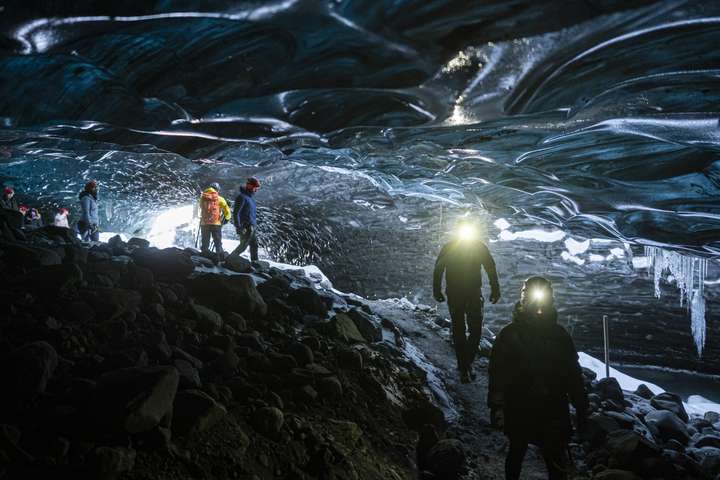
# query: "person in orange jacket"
214,213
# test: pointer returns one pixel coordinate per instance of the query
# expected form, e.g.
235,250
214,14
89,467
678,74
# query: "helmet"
8,191
537,292
253,182
216,186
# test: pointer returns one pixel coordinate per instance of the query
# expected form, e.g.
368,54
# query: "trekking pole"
606,341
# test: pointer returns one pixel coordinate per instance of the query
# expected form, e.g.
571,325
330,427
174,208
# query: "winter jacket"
245,209
214,210
462,264
88,209
61,220
533,372
9,203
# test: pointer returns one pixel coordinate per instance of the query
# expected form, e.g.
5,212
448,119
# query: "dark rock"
670,402
29,256
644,392
181,354
268,421
599,426
136,242
615,474
189,375
236,321
208,320
302,353
350,359
588,375
309,301
369,327
195,411
428,438
446,458
134,400
609,388
341,327
282,363
668,425
228,293
111,303
250,340
709,459
274,288
237,263
423,412
169,262
29,368
712,417
330,387
708,441
111,462
242,390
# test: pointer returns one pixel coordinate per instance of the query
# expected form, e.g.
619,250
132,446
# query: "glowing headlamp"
467,232
538,295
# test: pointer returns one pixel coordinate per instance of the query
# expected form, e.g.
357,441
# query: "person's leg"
217,239
475,324
253,247
514,459
553,453
95,235
456,306
205,238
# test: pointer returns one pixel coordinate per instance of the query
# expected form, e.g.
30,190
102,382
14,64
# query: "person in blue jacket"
245,218
88,225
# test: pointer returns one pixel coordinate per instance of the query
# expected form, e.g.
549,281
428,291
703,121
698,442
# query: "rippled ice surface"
579,134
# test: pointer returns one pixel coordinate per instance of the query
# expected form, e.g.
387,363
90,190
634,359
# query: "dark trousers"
553,452
88,233
466,313
206,231
247,239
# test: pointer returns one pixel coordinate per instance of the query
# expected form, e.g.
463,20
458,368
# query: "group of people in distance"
31,217
215,212
533,373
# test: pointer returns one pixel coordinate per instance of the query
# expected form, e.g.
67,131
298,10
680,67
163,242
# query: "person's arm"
489,264
237,211
438,274
85,204
225,209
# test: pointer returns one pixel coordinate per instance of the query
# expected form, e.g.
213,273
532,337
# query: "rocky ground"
120,360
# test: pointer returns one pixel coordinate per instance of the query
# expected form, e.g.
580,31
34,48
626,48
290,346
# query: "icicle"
689,274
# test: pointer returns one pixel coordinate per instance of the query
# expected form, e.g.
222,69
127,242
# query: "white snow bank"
695,405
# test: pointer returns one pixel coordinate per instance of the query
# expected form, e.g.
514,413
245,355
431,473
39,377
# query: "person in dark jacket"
462,261
88,224
533,372
8,201
33,219
245,218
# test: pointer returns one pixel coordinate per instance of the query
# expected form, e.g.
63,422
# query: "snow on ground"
695,405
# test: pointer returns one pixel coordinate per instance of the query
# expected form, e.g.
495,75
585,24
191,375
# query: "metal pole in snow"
606,341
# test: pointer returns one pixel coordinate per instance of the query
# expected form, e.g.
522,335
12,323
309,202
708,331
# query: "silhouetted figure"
462,261
534,371
8,201
89,222
245,218
214,213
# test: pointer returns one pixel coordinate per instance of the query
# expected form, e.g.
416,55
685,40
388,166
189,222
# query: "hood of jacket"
85,193
247,192
210,193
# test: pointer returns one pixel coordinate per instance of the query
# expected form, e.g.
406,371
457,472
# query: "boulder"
708,441
236,321
208,320
341,327
29,256
28,369
350,359
195,411
268,421
237,263
644,392
330,388
599,426
282,363
134,400
668,425
56,280
609,388
136,242
712,417
446,459
111,303
228,293
367,325
423,412
189,375
111,462
670,402
309,301
302,353
168,262
615,474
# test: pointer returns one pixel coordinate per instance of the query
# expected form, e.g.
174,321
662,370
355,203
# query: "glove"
439,297
497,419
495,296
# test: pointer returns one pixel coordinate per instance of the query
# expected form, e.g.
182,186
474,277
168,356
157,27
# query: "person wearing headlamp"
533,375
461,261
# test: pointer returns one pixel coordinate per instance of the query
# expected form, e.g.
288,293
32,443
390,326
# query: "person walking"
89,223
461,261
533,372
245,218
8,201
214,213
